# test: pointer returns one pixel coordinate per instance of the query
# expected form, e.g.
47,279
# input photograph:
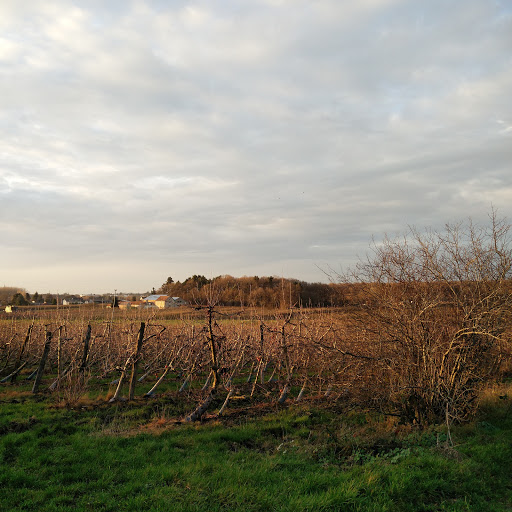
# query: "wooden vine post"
135,361
213,351
59,351
87,339
42,363
288,368
22,350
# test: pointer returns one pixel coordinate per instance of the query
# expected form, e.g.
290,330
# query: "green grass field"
138,456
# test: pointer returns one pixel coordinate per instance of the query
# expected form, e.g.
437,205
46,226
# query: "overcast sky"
147,139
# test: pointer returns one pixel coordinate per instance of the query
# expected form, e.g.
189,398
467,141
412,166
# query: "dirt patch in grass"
18,426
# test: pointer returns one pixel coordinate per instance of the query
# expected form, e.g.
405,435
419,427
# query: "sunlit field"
98,414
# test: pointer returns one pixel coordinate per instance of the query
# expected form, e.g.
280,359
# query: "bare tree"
438,305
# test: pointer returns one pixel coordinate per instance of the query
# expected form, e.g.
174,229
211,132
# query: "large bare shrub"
438,306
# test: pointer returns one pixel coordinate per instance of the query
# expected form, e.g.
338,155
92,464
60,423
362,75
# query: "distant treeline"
20,297
225,290
267,291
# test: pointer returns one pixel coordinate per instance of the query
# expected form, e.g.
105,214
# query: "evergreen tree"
19,300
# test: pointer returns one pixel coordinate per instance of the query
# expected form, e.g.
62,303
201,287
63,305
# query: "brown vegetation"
266,292
425,321
438,306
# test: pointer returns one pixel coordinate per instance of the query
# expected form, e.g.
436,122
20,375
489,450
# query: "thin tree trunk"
284,394
196,415
32,375
142,378
12,375
120,381
301,392
53,385
157,383
221,410
185,384
207,382
250,373
260,364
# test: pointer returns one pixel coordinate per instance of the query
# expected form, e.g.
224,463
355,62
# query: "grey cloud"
244,137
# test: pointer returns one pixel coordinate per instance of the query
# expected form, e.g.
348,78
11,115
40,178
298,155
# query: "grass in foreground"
135,457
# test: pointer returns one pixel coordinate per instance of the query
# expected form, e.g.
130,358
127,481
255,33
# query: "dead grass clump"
74,388
495,400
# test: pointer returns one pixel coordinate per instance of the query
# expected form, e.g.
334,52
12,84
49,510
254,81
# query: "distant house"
97,299
72,300
150,298
164,301
128,304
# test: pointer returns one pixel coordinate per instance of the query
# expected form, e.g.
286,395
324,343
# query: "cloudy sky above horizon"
144,139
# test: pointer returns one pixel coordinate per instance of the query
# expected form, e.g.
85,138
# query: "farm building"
164,301
128,304
150,298
72,300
